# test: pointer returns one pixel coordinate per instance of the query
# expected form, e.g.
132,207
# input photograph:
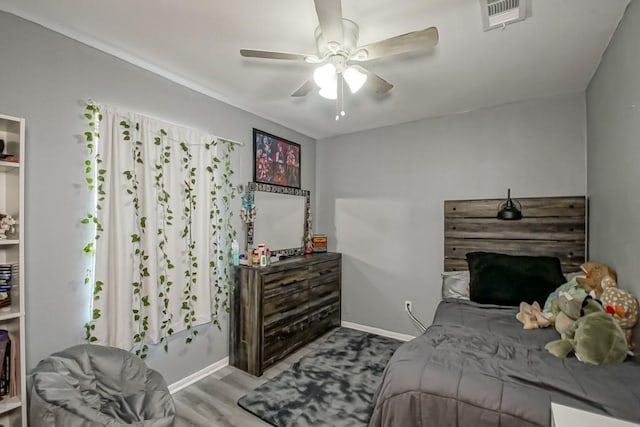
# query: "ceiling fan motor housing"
350,40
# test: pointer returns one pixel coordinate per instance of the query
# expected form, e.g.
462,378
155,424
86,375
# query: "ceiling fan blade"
374,82
250,53
330,18
304,89
400,44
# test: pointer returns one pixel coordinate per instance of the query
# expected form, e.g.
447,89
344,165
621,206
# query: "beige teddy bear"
598,277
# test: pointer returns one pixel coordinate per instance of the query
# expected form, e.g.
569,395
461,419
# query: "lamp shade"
325,75
326,78
509,210
329,91
355,79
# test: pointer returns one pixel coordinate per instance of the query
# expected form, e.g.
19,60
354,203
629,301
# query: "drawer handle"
284,337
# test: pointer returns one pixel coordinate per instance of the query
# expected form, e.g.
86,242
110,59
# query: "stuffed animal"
595,338
531,316
598,278
573,306
624,308
552,306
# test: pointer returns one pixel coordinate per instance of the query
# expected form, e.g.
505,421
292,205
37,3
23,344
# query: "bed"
475,365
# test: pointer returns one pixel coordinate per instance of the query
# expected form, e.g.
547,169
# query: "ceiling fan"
340,55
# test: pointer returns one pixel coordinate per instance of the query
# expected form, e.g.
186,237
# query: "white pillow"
455,284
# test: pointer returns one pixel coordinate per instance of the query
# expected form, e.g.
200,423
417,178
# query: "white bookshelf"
13,407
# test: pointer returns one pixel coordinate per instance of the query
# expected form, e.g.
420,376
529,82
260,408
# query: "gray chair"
91,385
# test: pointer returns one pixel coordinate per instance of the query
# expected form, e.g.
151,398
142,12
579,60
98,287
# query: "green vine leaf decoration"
189,298
94,179
222,232
166,218
228,195
141,299
214,212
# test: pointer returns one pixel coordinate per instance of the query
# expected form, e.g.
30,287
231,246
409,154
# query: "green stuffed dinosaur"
595,338
572,306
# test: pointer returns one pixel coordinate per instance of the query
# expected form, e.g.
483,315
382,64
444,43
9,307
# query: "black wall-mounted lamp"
509,210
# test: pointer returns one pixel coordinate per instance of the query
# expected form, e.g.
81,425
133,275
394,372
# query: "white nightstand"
565,416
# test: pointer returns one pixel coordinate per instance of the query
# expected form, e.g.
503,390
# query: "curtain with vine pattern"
163,230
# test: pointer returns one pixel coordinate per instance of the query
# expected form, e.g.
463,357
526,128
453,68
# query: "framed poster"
276,161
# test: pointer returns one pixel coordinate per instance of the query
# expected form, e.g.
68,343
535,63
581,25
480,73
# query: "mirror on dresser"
282,218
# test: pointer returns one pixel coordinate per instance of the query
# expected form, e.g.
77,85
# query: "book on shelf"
9,275
5,362
14,367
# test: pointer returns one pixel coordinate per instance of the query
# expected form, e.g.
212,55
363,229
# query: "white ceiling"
196,42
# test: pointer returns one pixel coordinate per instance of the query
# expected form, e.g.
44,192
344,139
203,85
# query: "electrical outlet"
407,306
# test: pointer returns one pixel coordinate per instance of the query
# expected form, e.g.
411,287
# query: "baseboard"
377,331
197,376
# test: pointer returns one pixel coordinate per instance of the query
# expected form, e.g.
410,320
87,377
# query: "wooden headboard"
551,226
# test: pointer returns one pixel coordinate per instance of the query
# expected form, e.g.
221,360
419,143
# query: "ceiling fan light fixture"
355,79
329,91
337,47
325,75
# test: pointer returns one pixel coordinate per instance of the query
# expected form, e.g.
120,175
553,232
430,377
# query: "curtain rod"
219,138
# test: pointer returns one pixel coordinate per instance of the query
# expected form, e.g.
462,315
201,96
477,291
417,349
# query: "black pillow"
508,280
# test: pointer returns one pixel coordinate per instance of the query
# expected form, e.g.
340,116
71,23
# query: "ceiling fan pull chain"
339,94
342,113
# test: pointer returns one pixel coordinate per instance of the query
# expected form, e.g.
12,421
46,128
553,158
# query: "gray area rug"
333,386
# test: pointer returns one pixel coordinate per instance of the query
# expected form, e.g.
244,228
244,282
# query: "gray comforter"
476,366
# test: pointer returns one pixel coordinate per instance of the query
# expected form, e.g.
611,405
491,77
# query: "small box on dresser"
279,308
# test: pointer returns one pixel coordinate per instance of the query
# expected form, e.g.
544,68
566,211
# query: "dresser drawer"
284,298
326,295
324,268
279,342
285,277
285,316
323,319
324,285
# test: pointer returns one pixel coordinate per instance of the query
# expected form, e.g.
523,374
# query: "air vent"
499,13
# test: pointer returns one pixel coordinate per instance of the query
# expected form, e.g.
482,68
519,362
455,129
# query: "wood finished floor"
212,401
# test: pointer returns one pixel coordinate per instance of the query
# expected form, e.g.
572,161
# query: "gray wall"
613,115
380,193
46,77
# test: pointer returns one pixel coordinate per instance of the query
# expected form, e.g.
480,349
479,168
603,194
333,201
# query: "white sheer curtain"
121,262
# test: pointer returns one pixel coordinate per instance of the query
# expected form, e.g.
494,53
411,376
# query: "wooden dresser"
279,308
